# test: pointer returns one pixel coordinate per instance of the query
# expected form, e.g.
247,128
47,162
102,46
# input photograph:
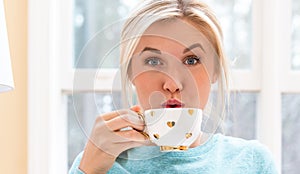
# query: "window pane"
235,17
290,133
296,35
96,35
97,26
82,111
241,116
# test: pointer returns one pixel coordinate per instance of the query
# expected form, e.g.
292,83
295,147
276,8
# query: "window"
290,133
296,36
97,27
291,101
235,17
241,116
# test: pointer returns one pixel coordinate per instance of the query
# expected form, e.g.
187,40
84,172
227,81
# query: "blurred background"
65,58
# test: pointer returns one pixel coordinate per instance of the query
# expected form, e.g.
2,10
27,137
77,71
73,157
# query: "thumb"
136,108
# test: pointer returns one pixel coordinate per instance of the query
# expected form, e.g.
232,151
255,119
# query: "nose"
172,85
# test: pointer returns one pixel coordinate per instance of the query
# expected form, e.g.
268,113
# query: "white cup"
173,129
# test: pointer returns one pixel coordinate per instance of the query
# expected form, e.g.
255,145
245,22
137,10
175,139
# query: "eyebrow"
193,46
151,49
157,51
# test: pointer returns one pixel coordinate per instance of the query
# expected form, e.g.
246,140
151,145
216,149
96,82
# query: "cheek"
203,86
142,85
146,86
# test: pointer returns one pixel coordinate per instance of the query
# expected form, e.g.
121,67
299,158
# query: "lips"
172,103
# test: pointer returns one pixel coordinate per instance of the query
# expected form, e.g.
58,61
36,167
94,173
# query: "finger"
136,108
139,111
145,142
139,114
111,115
130,136
128,145
117,148
148,143
124,121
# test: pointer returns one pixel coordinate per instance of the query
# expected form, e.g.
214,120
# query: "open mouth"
172,103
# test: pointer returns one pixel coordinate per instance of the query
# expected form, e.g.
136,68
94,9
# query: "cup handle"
142,117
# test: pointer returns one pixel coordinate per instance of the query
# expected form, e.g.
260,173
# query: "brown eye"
191,60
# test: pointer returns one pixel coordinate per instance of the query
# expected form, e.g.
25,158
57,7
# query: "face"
172,66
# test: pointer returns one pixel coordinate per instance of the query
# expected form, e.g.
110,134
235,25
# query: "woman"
171,52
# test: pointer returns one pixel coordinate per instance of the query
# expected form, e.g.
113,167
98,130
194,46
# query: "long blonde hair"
151,11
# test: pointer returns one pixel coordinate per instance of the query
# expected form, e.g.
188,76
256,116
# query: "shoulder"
252,152
239,145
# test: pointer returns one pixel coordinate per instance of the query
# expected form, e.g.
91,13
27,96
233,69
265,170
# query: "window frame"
51,78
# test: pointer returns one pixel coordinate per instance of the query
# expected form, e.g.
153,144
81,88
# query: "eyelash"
197,59
151,59
158,61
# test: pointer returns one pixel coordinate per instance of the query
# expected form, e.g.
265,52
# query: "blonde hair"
151,11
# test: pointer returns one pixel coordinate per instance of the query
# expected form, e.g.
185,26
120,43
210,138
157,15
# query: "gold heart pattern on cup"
191,111
171,124
188,135
156,136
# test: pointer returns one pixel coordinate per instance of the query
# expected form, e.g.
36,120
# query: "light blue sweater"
220,154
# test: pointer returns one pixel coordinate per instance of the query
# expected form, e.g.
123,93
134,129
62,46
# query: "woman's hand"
112,134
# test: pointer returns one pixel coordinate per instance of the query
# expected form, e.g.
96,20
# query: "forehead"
175,33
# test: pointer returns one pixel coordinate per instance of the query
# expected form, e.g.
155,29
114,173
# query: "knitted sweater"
220,154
